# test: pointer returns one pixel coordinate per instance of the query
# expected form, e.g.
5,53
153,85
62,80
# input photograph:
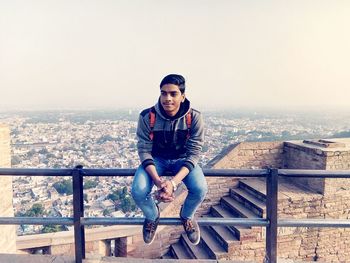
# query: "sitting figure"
170,138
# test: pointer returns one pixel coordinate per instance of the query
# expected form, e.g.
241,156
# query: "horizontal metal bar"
236,172
314,173
108,172
124,172
207,172
36,221
175,221
233,221
35,172
313,223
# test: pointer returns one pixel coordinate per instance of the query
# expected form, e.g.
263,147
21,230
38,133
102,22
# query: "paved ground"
12,258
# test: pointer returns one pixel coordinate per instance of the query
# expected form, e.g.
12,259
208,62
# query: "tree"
113,196
106,212
128,204
53,228
121,197
43,151
31,153
90,184
64,187
125,191
37,210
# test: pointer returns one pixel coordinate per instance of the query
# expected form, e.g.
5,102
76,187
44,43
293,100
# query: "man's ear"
183,97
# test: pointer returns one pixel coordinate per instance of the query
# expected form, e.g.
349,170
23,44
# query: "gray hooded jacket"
170,136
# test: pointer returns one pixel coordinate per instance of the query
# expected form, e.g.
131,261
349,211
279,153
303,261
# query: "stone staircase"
229,242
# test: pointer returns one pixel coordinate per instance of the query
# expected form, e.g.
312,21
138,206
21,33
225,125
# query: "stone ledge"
14,258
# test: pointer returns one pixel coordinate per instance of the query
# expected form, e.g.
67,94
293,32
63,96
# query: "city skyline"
69,55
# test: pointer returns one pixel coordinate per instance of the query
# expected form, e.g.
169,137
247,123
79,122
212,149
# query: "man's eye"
173,94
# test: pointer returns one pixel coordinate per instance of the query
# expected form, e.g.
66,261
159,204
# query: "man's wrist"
158,182
174,184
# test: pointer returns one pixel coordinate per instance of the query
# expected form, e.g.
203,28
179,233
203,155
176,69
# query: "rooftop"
334,144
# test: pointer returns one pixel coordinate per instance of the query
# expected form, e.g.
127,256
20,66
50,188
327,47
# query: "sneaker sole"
149,243
199,237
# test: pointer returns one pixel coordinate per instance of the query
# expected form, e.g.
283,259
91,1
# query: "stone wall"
334,243
97,241
95,247
244,155
250,155
315,244
317,198
300,155
8,232
337,160
298,243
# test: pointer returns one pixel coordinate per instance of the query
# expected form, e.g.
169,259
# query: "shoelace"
150,226
189,226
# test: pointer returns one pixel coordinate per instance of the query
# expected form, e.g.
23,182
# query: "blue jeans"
143,184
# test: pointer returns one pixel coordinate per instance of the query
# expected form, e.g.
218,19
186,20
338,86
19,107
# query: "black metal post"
78,213
271,203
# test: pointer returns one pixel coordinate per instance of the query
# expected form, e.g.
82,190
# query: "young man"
170,138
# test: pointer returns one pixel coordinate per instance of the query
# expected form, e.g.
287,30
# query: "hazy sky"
111,54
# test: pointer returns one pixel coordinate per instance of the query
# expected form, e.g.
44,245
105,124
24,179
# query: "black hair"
175,79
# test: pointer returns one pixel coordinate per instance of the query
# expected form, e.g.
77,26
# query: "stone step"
168,255
154,260
179,251
256,187
225,235
240,232
196,251
249,200
236,207
209,241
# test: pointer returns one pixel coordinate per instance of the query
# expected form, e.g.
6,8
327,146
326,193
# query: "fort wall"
315,198
244,155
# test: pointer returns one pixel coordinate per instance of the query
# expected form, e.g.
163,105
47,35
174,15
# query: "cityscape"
107,139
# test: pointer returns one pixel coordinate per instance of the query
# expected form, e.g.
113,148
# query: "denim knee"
138,194
141,185
199,190
202,191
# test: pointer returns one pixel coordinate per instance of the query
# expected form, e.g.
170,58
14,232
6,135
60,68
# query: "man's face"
171,98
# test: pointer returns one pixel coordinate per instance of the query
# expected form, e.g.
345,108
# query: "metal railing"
271,222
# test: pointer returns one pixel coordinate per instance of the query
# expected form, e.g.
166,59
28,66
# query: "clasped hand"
165,192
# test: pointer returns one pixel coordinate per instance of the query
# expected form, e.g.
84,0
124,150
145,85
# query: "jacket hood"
184,108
